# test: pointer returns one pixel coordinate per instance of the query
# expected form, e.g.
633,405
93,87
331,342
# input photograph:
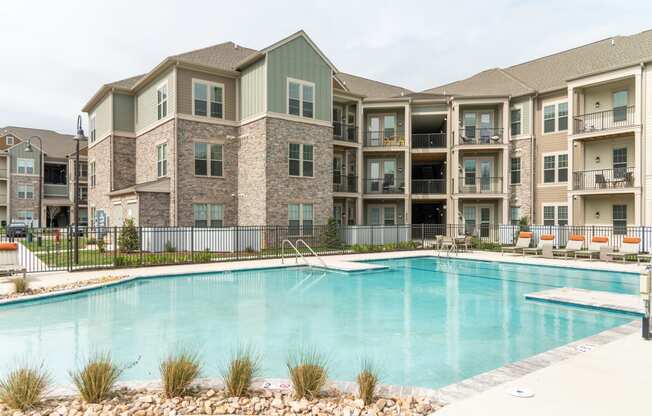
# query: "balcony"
481,135
480,185
429,140
387,185
345,132
428,186
615,118
385,138
603,179
55,190
345,183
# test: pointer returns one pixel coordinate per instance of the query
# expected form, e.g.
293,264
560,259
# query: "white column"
359,220
638,209
408,165
571,155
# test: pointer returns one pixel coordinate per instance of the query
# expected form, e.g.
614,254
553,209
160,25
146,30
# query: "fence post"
423,236
192,243
237,242
140,243
115,244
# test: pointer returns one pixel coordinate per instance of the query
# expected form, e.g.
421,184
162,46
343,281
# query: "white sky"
57,53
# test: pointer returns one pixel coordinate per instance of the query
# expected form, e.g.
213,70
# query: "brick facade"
153,209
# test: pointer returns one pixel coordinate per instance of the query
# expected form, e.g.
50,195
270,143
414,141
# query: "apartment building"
229,135
35,165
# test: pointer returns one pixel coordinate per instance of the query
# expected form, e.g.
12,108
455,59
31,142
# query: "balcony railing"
390,184
480,185
481,135
428,186
603,179
345,132
387,137
428,140
345,183
56,190
605,120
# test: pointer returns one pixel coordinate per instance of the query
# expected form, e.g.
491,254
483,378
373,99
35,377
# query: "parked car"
16,229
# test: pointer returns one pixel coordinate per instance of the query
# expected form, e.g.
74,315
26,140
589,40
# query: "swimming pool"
425,321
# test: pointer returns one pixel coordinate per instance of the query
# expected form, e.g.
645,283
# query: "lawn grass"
49,244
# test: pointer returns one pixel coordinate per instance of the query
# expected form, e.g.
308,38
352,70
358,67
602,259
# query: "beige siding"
123,112
603,96
184,88
598,209
252,87
103,117
599,154
146,101
549,195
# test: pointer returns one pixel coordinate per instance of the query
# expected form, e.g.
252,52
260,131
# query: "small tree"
330,237
524,223
128,239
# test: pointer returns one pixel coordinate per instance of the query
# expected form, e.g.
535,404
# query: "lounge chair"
9,264
597,243
544,240
523,242
574,243
629,248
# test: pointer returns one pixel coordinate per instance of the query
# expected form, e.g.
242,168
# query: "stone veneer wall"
252,193
283,189
521,195
206,190
153,209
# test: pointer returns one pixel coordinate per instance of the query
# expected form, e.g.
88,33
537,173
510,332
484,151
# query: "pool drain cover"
522,392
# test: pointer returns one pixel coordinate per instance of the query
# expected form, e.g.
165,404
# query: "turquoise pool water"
425,322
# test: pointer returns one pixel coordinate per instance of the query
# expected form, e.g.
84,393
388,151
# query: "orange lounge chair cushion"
525,234
631,240
547,237
576,237
600,239
8,246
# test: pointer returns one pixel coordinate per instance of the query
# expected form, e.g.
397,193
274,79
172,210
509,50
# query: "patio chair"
629,248
447,243
574,243
597,243
523,242
600,181
544,240
9,264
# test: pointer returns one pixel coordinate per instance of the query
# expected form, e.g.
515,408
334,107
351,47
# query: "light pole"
77,138
30,149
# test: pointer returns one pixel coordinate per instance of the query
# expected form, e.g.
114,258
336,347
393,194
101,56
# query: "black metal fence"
345,132
57,249
481,135
345,183
604,178
605,120
428,140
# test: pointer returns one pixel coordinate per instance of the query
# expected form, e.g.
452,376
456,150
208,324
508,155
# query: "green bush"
178,372
24,387
169,248
96,378
20,284
308,373
91,241
242,368
330,237
477,243
128,239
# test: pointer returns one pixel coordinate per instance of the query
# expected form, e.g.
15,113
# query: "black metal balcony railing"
481,135
345,183
345,132
386,137
605,120
480,185
603,179
428,140
428,186
390,184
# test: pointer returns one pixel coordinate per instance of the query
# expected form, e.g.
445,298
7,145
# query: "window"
300,219
91,128
516,170
24,215
205,152
620,162
389,216
301,98
25,191
562,215
91,174
300,159
620,219
83,169
555,117
26,166
162,160
515,215
208,99
555,168
9,140
162,100
208,215
555,215
620,99
516,121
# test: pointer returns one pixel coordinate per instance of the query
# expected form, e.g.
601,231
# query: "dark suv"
16,229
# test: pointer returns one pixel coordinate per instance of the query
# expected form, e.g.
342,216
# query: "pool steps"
615,302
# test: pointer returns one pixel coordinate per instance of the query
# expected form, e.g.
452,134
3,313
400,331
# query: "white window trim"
516,107
301,160
208,84
24,159
9,140
208,213
167,96
382,213
24,187
556,206
92,128
543,117
162,161
520,170
543,169
301,218
208,158
314,98
92,178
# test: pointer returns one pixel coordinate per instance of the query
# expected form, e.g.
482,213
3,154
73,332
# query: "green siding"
18,152
103,117
123,112
252,86
297,59
146,101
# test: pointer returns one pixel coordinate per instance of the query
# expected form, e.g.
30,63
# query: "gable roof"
55,144
370,88
225,56
551,72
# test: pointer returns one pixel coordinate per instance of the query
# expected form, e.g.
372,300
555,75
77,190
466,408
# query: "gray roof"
225,56
370,88
55,144
126,83
551,72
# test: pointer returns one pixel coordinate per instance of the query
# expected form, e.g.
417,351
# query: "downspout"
533,150
643,144
176,142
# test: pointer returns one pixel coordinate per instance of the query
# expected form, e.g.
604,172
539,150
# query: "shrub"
178,372
203,257
21,284
96,378
24,387
91,241
367,382
330,237
308,373
101,245
242,368
128,239
169,248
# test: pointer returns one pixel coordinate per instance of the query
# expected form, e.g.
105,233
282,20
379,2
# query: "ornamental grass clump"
367,382
24,387
243,366
20,284
308,373
96,379
178,371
